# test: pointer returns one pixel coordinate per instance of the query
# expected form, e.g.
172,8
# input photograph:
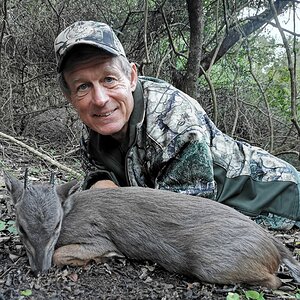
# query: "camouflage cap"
86,32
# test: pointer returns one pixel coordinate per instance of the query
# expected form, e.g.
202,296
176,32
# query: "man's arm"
190,170
102,184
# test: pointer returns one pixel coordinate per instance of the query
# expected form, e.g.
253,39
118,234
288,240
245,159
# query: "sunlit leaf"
2,225
254,295
232,296
26,293
11,227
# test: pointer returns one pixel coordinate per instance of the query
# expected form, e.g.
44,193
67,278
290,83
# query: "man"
144,132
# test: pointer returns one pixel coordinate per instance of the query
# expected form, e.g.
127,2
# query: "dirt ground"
116,279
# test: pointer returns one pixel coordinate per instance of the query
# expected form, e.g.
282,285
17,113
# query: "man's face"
102,94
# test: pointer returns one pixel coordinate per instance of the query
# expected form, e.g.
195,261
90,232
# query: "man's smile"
106,114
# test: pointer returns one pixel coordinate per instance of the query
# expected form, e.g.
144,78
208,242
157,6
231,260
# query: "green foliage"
27,63
254,295
26,293
180,63
2,225
256,71
10,226
249,294
232,296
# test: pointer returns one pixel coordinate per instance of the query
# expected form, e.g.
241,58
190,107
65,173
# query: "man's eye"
22,231
83,87
110,79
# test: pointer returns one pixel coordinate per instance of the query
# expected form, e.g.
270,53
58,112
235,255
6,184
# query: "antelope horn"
52,178
26,178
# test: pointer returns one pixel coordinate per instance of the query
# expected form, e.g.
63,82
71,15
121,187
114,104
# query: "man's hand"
102,184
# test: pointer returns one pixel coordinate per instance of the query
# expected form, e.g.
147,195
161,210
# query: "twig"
263,94
43,156
294,117
145,30
162,62
213,95
170,35
288,152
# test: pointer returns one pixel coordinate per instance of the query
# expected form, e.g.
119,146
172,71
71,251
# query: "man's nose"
100,96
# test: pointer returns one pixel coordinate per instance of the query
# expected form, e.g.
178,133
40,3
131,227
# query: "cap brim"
91,43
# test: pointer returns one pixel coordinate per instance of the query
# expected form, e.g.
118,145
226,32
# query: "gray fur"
184,234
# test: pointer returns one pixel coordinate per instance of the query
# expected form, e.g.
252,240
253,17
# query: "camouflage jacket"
173,145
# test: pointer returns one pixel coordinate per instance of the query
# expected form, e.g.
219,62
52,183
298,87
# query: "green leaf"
12,227
254,295
2,225
13,230
26,293
297,296
233,296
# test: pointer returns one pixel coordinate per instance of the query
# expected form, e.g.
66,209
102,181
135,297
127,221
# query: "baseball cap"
86,32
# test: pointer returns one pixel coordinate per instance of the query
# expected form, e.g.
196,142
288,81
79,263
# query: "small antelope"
184,234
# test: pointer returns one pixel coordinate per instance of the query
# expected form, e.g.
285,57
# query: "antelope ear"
65,190
14,186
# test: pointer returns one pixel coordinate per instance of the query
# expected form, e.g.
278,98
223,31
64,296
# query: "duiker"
184,234
38,218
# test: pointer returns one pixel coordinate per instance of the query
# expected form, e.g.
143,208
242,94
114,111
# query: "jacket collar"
138,113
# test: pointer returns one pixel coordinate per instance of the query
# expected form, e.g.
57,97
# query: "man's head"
96,34
96,77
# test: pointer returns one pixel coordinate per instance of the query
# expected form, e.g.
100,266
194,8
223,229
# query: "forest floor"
116,279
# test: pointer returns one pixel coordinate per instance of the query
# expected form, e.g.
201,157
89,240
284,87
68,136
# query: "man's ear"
134,77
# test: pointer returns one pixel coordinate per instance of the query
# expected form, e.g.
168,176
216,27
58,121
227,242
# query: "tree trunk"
189,82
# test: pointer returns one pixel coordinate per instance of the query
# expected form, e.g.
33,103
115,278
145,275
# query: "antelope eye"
57,226
22,231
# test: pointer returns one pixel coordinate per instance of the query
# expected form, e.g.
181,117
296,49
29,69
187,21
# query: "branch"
162,61
195,12
271,127
284,29
236,103
288,152
57,16
170,35
213,95
4,12
145,30
236,32
39,154
291,67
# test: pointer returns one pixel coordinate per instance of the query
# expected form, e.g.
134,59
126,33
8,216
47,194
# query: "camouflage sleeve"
190,171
